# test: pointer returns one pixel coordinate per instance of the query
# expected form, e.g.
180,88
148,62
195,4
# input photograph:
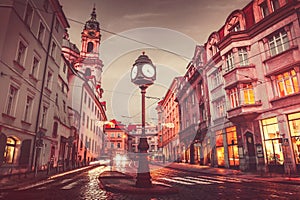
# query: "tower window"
90,47
88,72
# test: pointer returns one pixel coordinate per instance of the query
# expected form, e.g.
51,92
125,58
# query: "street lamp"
143,74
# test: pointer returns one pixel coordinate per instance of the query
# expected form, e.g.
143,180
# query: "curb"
115,181
15,183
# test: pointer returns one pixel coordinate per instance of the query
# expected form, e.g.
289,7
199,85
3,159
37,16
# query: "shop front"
294,126
220,149
273,145
233,154
227,148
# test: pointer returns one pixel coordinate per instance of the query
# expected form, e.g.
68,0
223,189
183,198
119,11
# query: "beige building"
85,91
31,74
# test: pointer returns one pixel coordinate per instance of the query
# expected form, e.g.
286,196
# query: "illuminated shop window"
272,141
220,148
232,146
10,150
294,125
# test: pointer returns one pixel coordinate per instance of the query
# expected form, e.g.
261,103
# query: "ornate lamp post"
143,74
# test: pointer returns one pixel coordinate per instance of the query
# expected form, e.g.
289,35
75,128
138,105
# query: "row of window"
266,10
277,43
12,102
91,105
90,144
28,19
112,145
284,84
90,124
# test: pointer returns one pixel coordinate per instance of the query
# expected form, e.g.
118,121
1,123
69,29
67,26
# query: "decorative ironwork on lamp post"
143,74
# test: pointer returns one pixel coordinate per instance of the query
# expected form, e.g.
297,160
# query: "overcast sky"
172,28
195,18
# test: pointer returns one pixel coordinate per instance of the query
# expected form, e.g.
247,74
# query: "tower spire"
93,14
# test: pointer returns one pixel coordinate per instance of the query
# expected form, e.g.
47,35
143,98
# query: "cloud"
142,16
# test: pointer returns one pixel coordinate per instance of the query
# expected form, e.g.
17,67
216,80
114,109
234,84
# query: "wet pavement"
191,181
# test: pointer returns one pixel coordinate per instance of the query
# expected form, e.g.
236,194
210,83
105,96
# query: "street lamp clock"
143,74
134,72
148,70
143,71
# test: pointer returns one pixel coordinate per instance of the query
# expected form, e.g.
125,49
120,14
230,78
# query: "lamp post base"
143,179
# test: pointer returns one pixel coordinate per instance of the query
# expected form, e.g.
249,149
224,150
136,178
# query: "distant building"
116,140
194,112
168,123
135,131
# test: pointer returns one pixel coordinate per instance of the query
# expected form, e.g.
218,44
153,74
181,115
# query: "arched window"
90,47
235,22
211,47
10,149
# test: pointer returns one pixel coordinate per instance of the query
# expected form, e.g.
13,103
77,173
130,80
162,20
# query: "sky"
167,30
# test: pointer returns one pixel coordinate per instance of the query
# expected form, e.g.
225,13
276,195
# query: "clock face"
134,72
148,70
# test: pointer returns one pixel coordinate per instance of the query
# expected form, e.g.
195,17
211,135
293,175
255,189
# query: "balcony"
244,112
240,74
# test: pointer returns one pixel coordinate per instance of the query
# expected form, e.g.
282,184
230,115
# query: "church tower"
89,63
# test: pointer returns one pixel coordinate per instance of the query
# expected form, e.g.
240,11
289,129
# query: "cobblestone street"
190,185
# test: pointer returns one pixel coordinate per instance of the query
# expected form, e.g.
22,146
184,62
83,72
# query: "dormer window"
235,22
275,5
264,9
236,27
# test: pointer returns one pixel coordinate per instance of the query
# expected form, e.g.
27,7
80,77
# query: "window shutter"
3,139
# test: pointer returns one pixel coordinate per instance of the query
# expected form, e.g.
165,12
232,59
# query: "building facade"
86,92
250,67
194,112
135,132
168,127
116,141
31,63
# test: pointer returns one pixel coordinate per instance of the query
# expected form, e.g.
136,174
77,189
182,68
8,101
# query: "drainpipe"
36,150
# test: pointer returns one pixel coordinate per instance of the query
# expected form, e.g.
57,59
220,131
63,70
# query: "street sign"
39,143
259,151
285,142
